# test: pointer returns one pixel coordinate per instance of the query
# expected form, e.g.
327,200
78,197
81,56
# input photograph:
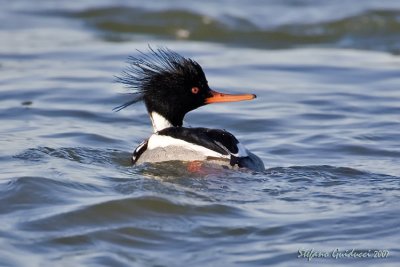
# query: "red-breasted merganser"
170,86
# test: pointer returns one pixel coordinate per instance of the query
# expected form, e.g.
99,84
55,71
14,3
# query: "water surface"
326,124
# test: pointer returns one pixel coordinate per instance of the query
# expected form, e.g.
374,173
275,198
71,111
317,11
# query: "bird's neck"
161,122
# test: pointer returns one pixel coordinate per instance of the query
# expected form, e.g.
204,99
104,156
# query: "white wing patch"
242,151
140,146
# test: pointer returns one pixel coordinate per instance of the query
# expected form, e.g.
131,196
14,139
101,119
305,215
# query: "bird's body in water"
171,86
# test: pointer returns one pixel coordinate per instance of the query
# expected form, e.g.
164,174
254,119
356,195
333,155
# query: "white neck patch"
159,122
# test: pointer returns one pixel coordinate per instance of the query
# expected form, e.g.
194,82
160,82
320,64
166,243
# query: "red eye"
195,90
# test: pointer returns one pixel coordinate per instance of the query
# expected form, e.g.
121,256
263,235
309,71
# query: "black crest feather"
143,68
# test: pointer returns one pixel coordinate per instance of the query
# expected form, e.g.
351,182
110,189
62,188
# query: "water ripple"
369,30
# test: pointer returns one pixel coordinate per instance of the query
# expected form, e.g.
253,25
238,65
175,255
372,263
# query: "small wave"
374,30
78,154
140,209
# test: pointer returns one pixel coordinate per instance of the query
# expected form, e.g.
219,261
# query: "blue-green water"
326,123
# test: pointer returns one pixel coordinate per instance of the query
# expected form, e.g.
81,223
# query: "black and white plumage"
171,86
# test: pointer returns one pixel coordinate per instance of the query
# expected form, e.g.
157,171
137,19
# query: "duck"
171,85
